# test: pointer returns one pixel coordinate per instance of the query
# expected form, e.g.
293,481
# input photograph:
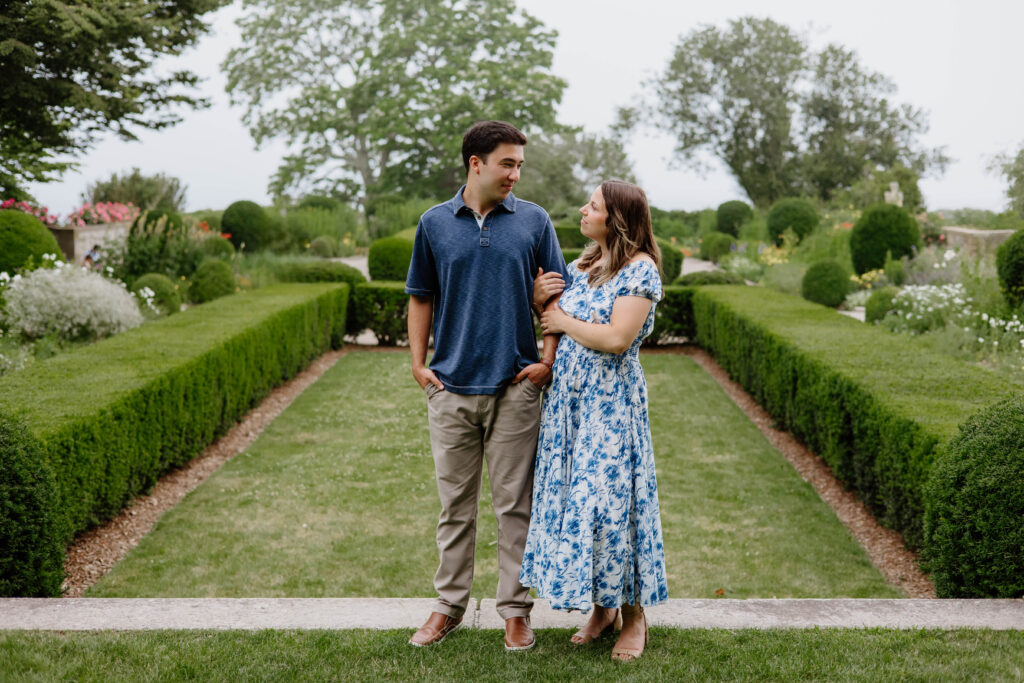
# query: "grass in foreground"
678,655
337,498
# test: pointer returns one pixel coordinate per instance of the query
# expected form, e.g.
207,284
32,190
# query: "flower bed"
82,433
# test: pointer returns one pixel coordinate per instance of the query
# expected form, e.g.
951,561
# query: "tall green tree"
1011,167
73,69
733,93
563,168
785,120
373,96
148,192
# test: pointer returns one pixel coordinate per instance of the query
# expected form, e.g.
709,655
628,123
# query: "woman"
595,531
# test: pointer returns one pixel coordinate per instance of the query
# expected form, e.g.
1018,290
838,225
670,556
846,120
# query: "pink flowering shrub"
40,212
102,212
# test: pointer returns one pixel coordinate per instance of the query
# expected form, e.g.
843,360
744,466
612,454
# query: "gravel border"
93,553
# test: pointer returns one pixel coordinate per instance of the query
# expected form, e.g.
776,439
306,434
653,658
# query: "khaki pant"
465,429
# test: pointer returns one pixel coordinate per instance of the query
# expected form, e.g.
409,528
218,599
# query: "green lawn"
337,498
673,654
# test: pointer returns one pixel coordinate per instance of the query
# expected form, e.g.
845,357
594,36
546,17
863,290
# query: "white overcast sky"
961,61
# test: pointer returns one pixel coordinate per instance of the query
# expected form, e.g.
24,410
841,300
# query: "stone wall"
75,242
973,242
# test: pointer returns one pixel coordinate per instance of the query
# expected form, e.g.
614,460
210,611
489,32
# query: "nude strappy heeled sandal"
585,638
631,654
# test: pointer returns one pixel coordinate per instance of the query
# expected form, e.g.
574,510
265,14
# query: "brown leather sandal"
631,654
587,637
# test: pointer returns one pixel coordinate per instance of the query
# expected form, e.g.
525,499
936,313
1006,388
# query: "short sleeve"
641,278
422,277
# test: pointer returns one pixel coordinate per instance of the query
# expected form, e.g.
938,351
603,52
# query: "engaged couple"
565,433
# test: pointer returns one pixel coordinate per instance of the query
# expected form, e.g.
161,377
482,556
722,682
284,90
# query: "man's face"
499,172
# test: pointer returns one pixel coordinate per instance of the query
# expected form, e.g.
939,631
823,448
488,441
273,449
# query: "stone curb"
91,614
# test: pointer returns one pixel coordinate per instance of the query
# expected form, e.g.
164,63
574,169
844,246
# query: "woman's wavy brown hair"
629,232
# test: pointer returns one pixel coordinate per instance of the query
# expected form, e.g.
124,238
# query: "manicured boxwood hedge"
382,307
570,237
103,423
877,407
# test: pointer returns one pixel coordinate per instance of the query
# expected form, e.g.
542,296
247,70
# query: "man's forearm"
421,314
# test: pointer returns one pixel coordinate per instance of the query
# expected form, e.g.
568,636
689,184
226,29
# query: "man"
472,276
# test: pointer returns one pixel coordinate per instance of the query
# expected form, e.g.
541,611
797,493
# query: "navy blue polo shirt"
481,281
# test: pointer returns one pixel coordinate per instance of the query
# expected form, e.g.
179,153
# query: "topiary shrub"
571,255
324,246
383,308
165,292
248,224
879,303
389,259
709,277
731,215
218,247
212,280
323,271
714,246
671,260
791,213
974,538
570,237
1010,268
23,236
31,539
826,283
883,229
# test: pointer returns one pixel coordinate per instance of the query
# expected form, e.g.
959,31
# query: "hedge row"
876,407
82,433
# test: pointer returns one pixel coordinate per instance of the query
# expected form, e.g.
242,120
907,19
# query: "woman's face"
595,214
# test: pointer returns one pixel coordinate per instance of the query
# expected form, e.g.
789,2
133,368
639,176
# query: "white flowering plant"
741,265
70,303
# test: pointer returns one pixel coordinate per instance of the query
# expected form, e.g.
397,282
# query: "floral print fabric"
595,528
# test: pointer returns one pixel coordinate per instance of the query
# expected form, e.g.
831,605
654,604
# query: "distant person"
471,283
595,529
92,257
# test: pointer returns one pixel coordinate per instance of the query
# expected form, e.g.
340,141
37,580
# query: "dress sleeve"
641,279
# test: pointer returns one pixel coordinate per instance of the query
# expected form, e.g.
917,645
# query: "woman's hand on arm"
628,316
545,286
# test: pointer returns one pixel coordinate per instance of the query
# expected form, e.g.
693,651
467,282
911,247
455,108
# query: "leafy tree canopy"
1011,167
148,192
373,96
72,69
562,169
784,120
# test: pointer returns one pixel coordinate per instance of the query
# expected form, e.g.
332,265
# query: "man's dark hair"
481,139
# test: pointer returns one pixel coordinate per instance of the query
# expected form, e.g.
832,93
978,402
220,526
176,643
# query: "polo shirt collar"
509,203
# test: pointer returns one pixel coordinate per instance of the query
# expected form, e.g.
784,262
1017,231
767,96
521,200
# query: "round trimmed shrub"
731,215
709,277
882,229
23,236
1010,268
218,247
314,201
389,258
165,293
671,260
974,504
715,245
324,246
792,213
248,224
31,537
879,303
212,280
826,283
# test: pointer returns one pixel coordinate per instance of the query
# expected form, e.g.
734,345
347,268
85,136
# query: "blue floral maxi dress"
595,527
